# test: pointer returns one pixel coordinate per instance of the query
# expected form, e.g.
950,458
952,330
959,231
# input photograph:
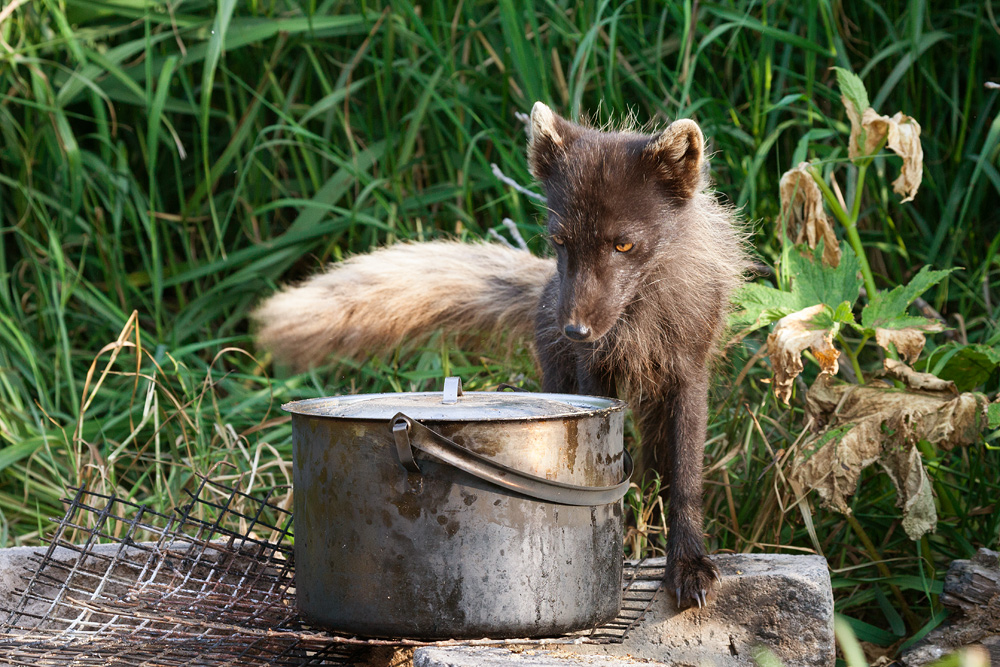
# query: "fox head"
616,200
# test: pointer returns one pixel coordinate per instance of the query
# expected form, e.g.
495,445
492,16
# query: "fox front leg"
592,377
673,443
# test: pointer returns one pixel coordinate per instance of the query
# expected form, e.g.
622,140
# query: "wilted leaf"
905,468
857,142
909,343
916,380
792,335
884,425
900,133
833,469
903,138
802,211
862,142
941,418
854,97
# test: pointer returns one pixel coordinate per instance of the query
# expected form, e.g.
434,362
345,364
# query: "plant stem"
855,240
856,204
857,353
850,223
852,355
829,197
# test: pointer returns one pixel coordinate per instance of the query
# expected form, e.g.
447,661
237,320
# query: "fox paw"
691,579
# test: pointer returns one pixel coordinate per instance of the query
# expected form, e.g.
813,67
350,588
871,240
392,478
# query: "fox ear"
678,157
548,135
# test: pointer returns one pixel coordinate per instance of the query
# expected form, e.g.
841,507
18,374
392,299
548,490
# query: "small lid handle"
452,390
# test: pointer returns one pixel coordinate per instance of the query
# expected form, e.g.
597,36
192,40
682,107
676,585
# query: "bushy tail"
374,302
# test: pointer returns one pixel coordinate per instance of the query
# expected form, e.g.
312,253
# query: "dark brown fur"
646,320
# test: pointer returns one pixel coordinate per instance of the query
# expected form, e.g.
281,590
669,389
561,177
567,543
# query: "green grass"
164,166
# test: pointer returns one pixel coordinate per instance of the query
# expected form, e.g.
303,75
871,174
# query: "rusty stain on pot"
572,444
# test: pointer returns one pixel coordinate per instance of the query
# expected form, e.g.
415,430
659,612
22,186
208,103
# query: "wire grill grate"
209,584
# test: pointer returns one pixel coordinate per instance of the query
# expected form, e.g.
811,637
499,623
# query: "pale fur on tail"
375,302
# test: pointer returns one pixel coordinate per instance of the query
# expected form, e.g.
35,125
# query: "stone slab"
16,563
783,603
489,656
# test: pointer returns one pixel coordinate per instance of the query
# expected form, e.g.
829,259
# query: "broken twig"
502,177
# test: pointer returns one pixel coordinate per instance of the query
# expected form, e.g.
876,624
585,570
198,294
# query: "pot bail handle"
409,433
400,433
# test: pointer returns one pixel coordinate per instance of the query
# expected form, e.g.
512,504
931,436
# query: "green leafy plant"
819,287
830,277
825,303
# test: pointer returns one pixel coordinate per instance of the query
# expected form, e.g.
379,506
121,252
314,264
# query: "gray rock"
16,565
13,564
490,656
779,602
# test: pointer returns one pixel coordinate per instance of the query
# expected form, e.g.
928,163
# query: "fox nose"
578,332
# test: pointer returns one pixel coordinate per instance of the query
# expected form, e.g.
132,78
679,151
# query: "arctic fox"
633,303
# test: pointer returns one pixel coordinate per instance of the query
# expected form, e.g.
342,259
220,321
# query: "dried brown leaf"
833,470
905,468
900,133
916,380
858,119
909,342
792,335
802,211
883,424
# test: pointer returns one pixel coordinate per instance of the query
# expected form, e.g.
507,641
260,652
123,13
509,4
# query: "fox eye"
623,247
558,240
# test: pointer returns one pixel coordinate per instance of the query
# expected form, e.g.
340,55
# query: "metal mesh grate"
640,585
186,588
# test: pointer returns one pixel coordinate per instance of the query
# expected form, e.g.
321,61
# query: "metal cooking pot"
430,515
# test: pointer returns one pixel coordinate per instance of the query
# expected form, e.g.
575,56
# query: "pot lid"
454,405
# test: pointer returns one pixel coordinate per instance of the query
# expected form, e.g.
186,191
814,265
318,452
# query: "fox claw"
692,579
